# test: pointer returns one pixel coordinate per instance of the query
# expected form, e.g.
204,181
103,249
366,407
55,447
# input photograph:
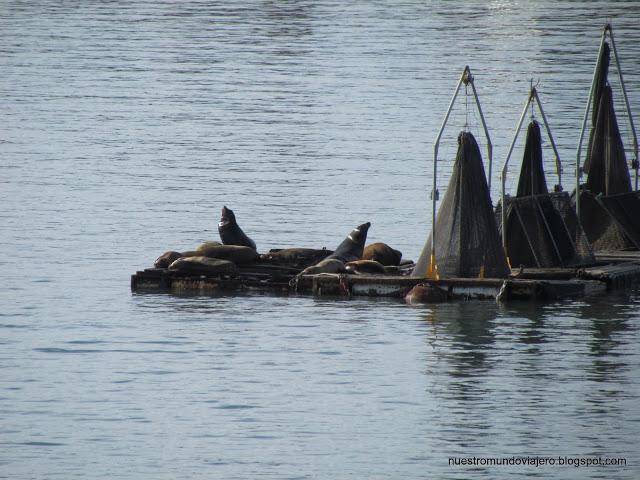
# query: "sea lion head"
364,266
359,234
328,265
227,218
166,259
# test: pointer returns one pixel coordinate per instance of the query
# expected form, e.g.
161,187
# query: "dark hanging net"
542,229
607,171
624,208
608,224
583,251
601,227
543,232
532,180
467,240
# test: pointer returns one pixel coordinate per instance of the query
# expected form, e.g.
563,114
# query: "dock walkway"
612,270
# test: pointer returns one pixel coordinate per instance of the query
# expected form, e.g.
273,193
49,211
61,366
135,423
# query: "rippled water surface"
124,128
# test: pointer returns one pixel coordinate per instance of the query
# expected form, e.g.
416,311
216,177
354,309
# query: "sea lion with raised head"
230,232
352,247
349,250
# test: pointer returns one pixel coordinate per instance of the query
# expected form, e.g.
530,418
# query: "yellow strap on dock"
432,270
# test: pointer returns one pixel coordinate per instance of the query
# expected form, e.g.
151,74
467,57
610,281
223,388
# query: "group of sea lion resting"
214,257
237,248
351,256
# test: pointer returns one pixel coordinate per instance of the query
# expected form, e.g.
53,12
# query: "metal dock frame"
533,96
607,29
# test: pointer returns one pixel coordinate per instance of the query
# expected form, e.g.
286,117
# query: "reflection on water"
610,327
126,125
470,329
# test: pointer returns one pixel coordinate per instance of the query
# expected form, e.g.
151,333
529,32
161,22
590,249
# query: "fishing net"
609,223
467,243
542,230
602,229
532,180
624,208
583,251
607,170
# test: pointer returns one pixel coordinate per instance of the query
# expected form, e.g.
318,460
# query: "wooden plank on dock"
618,256
544,273
392,286
151,279
617,275
456,288
163,280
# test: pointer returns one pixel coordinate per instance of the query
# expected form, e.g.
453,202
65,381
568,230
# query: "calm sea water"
124,128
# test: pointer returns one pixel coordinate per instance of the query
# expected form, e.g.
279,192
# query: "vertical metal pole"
584,123
626,101
553,143
434,191
486,130
504,173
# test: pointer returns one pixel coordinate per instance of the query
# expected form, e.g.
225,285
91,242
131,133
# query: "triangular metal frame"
467,79
635,163
533,97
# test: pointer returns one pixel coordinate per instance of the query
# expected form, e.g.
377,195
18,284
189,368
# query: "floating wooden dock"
453,288
613,270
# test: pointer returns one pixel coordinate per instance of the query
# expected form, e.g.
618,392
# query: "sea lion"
352,247
191,253
426,293
383,253
166,259
204,266
230,232
364,266
299,257
236,253
207,244
328,265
